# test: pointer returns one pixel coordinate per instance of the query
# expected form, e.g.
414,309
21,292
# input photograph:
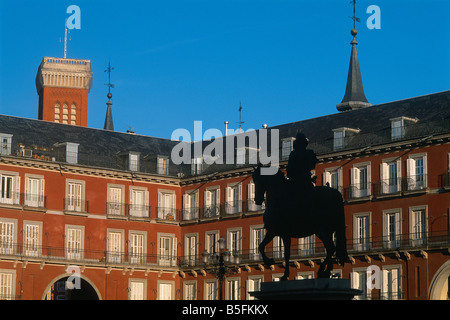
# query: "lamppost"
216,264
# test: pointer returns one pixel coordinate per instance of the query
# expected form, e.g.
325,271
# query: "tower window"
73,114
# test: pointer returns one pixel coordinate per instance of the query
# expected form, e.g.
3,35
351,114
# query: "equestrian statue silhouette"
295,208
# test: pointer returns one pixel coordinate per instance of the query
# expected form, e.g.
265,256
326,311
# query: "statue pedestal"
307,289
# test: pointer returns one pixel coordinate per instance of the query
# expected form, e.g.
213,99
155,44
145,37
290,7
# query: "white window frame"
115,245
34,192
133,161
233,198
392,228
212,202
9,187
137,289
306,245
361,242
332,176
166,290
257,234
287,145
360,188
390,280
251,205
234,241
233,288
190,290
166,204
210,289
163,165
212,241
32,238
139,202
167,249
75,195
74,242
8,236
418,226
190,205
5,144
137,248
191,248
390,184
358,280
7,284
253,284
416,180
116,199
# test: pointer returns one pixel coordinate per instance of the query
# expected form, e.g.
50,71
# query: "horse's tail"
341,241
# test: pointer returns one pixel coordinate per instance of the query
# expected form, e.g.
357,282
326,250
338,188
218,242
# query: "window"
32,238
416,170
251,205
7,236
391,228
115,204
358,280
210,290
137,289
190,205
115,246
190,249
390,283
75,196
211,242
7,284
34,191
137,247
341,137
333,178
68,152
287,145
361,231
399,125
253,284
5,144
65,118
166,205
390,174
418,225
57,112
278,248
233,194
139,200
74,242
256,236
234,242
133,161
9,187
190,290
165,290
232,286
196,166
73,114
163,165
167,250
212,202
305,275
306,245
360,181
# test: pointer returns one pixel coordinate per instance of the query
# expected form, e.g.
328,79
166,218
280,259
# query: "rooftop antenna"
240,114
66,31
354,17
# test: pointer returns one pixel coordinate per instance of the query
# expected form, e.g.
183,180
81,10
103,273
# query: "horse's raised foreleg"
267,238
287,257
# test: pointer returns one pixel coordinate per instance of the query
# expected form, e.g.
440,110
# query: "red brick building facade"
112,214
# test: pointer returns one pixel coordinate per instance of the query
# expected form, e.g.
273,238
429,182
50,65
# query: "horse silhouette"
320,212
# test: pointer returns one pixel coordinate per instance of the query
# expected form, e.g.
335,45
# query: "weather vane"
240,121
109,84
354,18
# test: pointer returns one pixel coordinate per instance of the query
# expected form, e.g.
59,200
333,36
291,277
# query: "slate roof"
109,149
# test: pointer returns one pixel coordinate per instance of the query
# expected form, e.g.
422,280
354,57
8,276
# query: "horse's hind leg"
327,265
287,257
267,238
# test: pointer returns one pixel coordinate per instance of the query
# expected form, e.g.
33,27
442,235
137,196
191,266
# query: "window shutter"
354,280
411,173
425,171
384,172
217,197
355,182
207,198
385,282
16,195
174,251
42,193
239,200
326,178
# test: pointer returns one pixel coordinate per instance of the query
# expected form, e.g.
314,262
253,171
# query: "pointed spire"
354,97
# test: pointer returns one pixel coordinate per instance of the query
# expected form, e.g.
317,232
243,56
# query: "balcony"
29,201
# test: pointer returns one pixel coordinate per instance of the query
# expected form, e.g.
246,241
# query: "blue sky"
176,62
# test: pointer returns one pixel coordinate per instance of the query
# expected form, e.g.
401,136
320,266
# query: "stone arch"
84,280
440,282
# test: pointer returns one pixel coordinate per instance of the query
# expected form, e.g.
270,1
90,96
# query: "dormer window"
196,166
133,161
287,145
5,144
341,136
163,165
70,152
398,126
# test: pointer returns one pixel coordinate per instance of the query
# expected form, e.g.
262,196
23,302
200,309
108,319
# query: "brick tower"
63,86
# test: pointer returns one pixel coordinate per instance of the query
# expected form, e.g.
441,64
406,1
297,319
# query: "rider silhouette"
301,162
